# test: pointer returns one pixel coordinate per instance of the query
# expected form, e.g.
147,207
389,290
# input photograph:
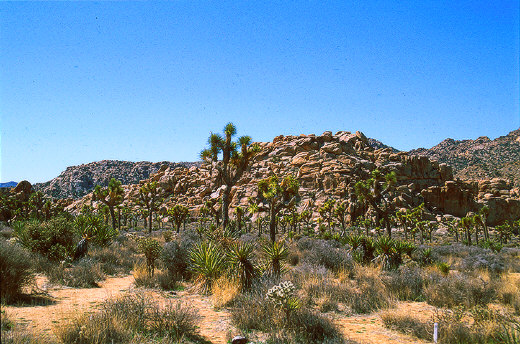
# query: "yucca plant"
385,250
275,253
444,268
408,248
208,262
241,264
426,257
354,241
368,246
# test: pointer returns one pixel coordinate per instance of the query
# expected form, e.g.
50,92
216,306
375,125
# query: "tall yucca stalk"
241,264
208,262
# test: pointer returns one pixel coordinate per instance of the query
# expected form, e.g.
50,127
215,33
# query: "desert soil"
214,325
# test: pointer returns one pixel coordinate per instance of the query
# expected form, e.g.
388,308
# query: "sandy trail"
214,326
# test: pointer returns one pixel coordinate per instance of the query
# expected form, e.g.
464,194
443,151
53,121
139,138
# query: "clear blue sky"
87,81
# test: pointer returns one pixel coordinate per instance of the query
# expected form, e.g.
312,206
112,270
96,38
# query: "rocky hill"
77,181
328,166
481,158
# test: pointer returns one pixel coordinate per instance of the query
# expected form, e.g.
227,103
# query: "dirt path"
369,329
68,302
213,325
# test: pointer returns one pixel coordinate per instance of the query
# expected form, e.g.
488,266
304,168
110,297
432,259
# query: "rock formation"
77,181
481,158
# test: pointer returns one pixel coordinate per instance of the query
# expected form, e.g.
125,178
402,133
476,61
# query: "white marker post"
435,329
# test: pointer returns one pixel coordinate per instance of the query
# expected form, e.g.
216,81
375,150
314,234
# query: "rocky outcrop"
481,158
77,181
327,166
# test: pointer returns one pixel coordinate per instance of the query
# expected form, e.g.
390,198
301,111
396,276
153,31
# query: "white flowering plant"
283,296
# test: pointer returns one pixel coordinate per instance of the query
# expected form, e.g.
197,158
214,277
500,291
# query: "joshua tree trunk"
225,206
272,223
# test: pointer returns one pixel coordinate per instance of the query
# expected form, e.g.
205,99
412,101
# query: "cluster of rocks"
481,158
77,181
327,166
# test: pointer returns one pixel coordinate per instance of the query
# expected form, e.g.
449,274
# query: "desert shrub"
175,259
458,289
251,312
254,312
54,239
15,270
474,325
307,327
329,254
444,268
407,323
117,259
167,235
86,273
469,258
133,315
142,277
511,257
406,283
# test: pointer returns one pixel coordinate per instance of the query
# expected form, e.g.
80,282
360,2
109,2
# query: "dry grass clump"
459,289
83,274
115,260
325,291
406,283
132,316
509,292
407,323
460,325
160,279
224,292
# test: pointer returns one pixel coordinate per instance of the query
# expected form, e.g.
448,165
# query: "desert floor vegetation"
278,279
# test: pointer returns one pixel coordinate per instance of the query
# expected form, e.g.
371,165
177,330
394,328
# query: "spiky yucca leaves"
368,247
207,262
354,241
274,253
408,248
386,252
241,264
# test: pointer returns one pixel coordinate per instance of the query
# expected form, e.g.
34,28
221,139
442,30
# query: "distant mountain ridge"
481,158
77,181
10,184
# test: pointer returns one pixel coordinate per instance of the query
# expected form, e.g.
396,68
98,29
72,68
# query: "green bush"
15,270
54,239
152,251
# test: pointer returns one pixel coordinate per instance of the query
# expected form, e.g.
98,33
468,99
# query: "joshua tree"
375,191
327,212
179,214
340,213
239,215
150,199
111,196
276,196
235,160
